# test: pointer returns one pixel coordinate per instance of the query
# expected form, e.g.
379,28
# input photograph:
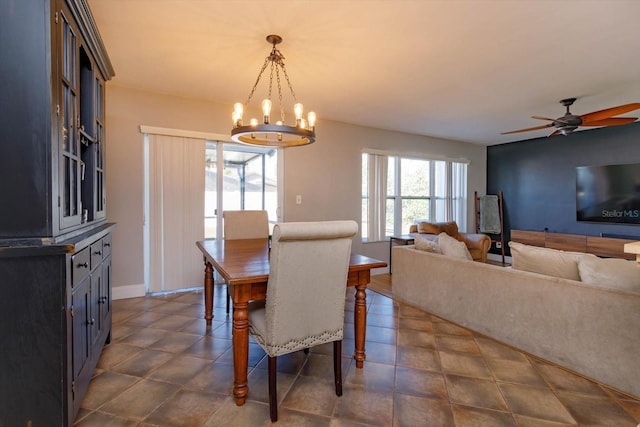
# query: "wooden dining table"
244,266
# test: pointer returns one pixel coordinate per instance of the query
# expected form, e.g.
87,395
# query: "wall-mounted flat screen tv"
609,193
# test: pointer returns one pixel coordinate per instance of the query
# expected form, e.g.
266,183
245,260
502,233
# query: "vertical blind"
176,207
377,191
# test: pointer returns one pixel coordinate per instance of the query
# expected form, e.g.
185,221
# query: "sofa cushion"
609,272
451,228
550,262
429,228
453,247
427,244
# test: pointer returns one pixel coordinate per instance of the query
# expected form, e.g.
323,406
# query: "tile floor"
165,368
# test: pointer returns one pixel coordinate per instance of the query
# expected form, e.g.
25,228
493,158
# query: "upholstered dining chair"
245,225
305,301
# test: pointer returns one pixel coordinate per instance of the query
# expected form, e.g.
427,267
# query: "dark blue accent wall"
538,178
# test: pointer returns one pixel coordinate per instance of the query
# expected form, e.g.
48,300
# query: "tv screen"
609,193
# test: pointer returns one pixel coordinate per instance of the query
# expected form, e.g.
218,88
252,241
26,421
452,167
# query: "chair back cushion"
307,284
245,225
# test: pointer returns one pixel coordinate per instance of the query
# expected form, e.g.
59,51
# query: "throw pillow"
425,244
453,247
550,262
612,273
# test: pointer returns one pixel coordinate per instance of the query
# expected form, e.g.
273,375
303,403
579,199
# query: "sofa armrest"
478,241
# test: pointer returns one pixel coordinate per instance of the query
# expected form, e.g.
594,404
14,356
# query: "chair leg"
337,366
227,301
273,395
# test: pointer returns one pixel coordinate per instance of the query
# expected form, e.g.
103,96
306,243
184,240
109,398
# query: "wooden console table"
609,247
405,239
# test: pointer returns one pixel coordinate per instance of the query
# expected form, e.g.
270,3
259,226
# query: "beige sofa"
589,329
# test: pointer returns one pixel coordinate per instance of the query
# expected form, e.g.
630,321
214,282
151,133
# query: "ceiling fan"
569,122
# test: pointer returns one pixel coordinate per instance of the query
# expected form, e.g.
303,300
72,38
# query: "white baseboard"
130,291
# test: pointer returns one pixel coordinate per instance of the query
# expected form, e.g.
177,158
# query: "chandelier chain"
255,85
286,76
271,78
280,94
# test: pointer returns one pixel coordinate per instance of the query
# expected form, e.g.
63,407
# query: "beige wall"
326,174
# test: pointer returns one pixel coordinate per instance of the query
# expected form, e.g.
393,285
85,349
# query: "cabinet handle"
92,321
83,265
97,253
108,245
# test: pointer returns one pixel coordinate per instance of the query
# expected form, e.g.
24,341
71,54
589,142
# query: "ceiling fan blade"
527,129
609,112
555,132
613,121
552,120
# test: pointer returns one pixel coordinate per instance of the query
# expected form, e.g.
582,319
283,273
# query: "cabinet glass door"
100,196
70,162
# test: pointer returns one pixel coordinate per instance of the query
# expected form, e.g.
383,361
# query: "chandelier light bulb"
303,123
253,123
311,117
266,110
297,110
238,110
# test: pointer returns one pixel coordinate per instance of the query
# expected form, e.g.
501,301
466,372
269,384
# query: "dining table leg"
240,351
208,292
360,318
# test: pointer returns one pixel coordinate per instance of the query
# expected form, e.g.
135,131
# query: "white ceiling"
462,70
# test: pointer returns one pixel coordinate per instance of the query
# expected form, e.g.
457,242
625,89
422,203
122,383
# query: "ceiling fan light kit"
569,122
265,133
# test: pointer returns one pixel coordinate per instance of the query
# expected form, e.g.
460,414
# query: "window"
396,191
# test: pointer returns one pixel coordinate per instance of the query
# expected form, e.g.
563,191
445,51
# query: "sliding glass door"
248,182
186,175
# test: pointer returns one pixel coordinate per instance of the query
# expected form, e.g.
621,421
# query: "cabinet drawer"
80,266
106,245
96,254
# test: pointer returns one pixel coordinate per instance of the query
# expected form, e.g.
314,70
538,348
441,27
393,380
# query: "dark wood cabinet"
52,126
55,241
90,312
55,318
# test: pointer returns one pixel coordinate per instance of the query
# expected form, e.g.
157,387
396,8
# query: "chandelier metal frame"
276,134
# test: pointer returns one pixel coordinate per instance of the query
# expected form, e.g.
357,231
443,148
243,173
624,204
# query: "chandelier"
267,133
